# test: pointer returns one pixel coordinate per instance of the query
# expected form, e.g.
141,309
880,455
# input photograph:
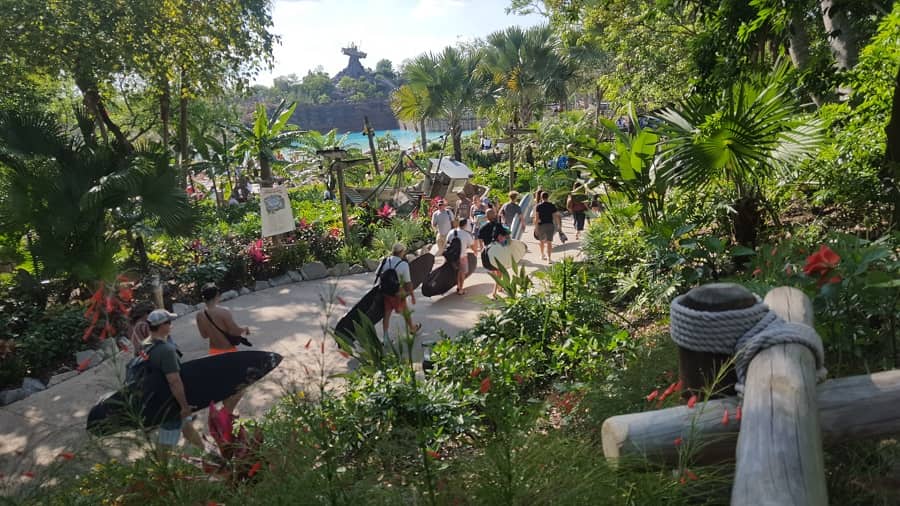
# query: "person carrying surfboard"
460,242
163,357
442,220
395,284
217,325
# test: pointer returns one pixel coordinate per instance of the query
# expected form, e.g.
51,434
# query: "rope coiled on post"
741,332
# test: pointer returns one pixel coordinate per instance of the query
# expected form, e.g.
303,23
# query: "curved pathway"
285,319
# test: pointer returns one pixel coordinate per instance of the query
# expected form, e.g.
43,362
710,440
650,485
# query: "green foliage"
51,339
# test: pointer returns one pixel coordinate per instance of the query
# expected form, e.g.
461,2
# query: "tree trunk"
890,175
456,133
746,220
798,48
94,104
182,128
422,131
165,103
265,171
840,33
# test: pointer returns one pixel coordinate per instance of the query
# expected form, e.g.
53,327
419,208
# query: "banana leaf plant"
266,136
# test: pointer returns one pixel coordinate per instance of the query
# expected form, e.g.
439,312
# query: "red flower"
256,252
725,417
83,365
690,474
835,279
737,413
254,469
386,212
28,474
678,441
821,262
653,395
475,372
335,232
485,385
126,294
66,455
303,224
433,454
692,402
757,271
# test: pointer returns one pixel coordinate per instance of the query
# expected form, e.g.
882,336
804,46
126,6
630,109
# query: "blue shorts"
170,431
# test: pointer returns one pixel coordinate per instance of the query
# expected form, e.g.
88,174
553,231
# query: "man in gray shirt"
442,220
510,210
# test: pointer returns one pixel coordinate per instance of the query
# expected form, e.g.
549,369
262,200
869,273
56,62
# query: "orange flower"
83,365
66,455
821,262
725,417
669,390
485,385
692,402
653,395
254,469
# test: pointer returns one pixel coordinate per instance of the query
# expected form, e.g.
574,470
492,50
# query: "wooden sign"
275,210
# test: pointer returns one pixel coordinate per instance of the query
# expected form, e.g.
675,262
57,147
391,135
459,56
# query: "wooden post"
512,166
371,135
698,369
779,456
339,168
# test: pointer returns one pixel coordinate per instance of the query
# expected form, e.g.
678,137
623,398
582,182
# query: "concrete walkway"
34,431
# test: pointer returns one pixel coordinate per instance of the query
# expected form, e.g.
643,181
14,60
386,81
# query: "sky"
314,31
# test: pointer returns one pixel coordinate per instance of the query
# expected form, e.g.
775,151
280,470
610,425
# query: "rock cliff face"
345,116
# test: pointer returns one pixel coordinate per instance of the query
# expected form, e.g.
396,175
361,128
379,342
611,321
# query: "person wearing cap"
397,303
442,220
163,356
213,322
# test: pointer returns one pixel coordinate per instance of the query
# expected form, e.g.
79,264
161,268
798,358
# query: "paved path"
284,319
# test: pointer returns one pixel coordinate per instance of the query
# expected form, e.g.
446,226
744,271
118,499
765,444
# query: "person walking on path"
579,213
510,210
546,217
395,296
139,330
501,254
216,324
163,357
442,220
488,231
466,243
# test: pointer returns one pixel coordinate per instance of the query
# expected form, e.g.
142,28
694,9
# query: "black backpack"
454,248
139,368
485,259
388,281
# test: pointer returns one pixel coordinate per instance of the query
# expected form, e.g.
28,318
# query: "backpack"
138,368
388,280
485,259
454,248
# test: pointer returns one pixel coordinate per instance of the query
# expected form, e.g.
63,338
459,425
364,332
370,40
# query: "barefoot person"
545,217
163,357
216,324
396,302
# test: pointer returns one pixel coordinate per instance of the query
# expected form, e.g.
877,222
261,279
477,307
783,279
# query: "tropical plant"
741,137
452,85
267,136
412,103
69,194
528,69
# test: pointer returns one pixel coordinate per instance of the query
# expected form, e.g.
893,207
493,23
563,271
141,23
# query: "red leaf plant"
386,212
257,253
485,385
108,307
239,450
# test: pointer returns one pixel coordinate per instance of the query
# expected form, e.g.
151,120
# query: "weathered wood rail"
777,445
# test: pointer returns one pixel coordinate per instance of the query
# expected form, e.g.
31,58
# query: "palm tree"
527,68
70,195
267,136
740,138
452,86
412,104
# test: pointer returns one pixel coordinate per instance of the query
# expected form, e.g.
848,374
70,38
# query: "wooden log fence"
777,445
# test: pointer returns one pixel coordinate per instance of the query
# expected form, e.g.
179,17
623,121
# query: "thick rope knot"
741,332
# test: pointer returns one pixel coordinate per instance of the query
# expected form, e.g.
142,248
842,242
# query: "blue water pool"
404,137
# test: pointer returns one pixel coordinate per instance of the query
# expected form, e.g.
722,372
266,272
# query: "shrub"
52,339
